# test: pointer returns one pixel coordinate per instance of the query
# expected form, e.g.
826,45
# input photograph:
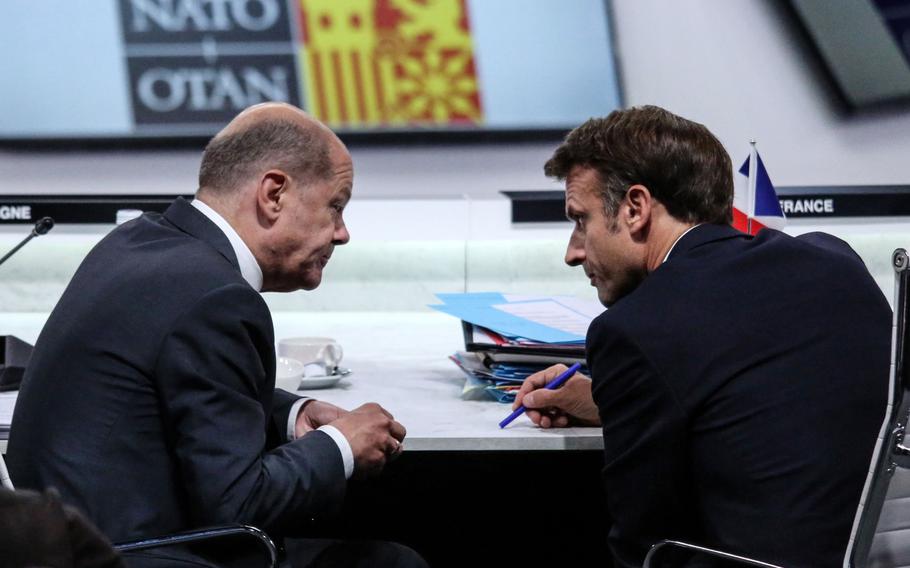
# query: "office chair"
209,534
5,481
880,537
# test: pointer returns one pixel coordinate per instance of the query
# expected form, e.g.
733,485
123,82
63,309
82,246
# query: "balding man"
149,401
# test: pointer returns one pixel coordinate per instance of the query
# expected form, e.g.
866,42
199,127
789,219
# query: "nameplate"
797,202
845,201
77,209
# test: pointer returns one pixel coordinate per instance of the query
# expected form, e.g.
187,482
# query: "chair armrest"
205,534
652,555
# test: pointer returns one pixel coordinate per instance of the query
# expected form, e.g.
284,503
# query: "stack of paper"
508,337
487,378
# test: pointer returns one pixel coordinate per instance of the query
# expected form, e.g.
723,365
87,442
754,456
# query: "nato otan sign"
193,62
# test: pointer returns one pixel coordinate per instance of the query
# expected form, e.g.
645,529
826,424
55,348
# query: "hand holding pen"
548,406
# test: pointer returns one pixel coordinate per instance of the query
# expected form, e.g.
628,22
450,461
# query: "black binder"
14,356
542,351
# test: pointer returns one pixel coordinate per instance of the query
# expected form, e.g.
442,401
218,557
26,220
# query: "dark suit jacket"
741,388
149,401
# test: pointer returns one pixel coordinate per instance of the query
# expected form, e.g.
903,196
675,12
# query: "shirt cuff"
292,418
347,454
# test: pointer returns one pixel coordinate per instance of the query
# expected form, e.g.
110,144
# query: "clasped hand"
570,404
373,433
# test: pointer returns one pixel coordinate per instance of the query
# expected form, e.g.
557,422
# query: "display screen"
150,68
865,44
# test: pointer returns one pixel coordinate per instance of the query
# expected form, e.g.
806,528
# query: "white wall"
477,170
742,68
739,66
736,65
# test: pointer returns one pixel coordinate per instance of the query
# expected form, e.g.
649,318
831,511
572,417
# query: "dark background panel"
176,21
543,508
191,90
79,209
797,202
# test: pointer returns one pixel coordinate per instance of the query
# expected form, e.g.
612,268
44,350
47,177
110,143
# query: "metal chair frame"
199,535
653,555
5,481
205,534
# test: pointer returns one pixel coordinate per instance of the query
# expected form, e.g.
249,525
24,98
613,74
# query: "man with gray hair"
149,401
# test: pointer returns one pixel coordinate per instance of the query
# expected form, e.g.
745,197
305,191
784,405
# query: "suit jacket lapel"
190,220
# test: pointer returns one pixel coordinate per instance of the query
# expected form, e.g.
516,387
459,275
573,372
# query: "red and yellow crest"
389,62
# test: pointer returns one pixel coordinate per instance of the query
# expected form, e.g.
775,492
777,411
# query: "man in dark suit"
740,381
149,400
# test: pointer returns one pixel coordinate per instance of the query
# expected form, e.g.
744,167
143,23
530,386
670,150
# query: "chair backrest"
5,481
881,529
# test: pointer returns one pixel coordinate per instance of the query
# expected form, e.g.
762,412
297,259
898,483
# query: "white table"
399,359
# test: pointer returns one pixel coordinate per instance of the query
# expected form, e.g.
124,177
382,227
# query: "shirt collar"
674,242
249,268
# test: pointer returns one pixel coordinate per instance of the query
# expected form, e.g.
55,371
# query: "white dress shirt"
252,273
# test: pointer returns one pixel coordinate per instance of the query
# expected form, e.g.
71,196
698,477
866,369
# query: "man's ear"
638,204
270,193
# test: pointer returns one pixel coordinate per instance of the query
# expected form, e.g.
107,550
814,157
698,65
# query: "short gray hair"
230,159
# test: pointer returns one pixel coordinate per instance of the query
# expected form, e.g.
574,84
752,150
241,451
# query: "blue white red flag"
761,208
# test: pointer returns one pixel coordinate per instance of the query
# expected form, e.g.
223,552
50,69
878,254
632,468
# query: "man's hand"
557,408
314,414
374,435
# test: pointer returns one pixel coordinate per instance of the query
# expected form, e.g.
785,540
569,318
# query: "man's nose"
575,252
342,236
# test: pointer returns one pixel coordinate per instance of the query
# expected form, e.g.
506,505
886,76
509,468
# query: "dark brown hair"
680,162
230,159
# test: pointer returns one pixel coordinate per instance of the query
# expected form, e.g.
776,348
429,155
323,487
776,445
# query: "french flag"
761,209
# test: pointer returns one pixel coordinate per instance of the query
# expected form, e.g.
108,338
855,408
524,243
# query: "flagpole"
750,186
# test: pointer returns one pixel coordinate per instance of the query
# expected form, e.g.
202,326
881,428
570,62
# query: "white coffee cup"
319,355
288,373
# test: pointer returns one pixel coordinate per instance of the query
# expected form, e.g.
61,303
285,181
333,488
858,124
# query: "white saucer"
324,382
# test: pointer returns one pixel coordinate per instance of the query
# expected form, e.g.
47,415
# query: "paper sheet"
590,308
551,314
587,308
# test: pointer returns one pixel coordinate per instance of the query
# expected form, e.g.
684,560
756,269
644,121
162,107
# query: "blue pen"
552,385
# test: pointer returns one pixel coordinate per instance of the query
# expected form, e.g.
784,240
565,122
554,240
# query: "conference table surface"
400,360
